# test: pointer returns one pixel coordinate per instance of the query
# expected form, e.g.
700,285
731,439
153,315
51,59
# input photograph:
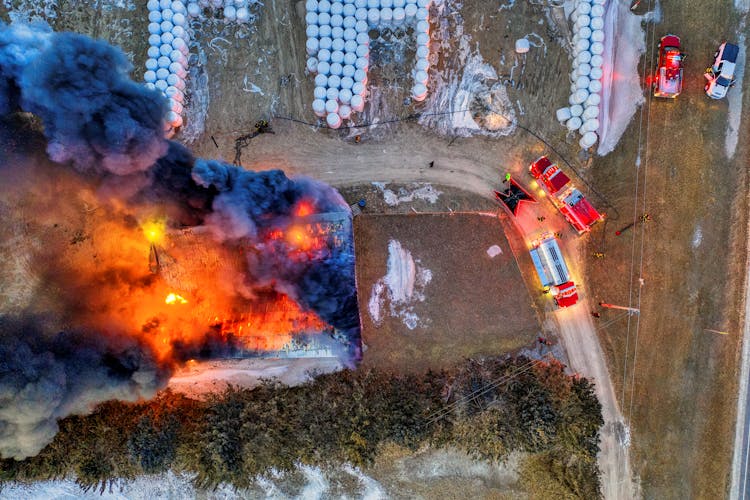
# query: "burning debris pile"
141,257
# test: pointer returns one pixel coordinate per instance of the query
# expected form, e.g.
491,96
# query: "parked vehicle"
552,271
668,78
567,198
720,75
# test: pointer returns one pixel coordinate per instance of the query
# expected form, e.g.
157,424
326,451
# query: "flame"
173,298
154,231
304,208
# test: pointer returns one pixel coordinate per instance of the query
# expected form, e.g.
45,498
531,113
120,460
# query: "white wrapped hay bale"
563,115
597,36
164,61
320,93
324,69
359,89
332,95
175,93
153,52
324,6
193,9
582,57
588,139
576,110
321,80
584,33
386,16
319,107
362,63
593,99
582,46
419,92
595,87
334,82
597,23
149,76
584,69
423,64
312,64
421,77
410,11
347,81
357,103
597,60
154,28
373,17
167,39
596,74
522,46
574,123
345,96
152,64
336,69
583,8
153,5
324,55
360,76
399,15
582,82
581,21
590,112
332,106
590,125
597,48
178,69
337,56
345,112
161,85
597,10
580,96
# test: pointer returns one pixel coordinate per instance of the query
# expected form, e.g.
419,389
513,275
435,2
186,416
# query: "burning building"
123,256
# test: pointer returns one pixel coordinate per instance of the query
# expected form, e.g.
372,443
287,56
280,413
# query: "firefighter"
645,217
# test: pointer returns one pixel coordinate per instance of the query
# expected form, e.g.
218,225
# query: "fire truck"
567,198
552,271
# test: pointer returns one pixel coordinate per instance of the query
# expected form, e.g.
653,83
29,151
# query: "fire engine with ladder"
552,270
564,195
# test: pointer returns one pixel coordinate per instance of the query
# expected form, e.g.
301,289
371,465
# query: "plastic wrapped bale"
423,39
359,88
423,64
312,65
345,112
419,92
423,27
386,16
337,8
175,81
155,16
345,96
153,5
584,69
149,76
181,45
178,20
154,40
154,28
324,19
348,72
161,85
597,36
582,57
350,37
337,20
350,59
363,51
597,61
421,77
321,80
152,64
582,46
597,48
410,11
574,123
580,96
174,119
584,33
165,4
593,99
590,125
178,69
595,87
334,82
582,82
175,93
360,76
563,115
336,69
373,17
362,63
319,93
522,46
175,106
163,62
332,95
588,139
311,18
597,11
324,55
422,14
193,9
590,112
337,56
357,103
311,6
324,6
423,52
581,21
583,8
576,110
319,107
596,74
398,16
167,38
325,43
332,106
597,23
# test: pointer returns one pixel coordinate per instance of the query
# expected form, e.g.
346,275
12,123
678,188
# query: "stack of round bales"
166,66
582,114
338,50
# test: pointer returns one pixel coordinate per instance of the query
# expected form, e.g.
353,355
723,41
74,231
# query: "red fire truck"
552,270
569,201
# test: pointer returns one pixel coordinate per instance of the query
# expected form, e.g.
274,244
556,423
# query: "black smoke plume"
105,132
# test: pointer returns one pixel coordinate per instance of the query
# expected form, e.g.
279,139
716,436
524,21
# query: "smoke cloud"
115,219
94,115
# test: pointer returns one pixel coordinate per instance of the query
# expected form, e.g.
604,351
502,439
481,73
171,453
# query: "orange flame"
173,298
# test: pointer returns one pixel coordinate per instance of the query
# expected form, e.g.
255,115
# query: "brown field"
475,305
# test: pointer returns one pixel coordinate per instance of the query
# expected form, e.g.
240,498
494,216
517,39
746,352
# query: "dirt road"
587,358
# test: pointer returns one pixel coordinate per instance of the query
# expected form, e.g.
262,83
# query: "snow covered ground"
735,94
416,191
624,44
401,288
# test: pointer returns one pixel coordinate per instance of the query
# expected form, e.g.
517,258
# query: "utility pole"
631,310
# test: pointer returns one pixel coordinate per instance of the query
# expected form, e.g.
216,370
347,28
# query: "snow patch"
697,237
734,96
624,44
198,97
30,10
473,102
402,287
494,251
418,191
